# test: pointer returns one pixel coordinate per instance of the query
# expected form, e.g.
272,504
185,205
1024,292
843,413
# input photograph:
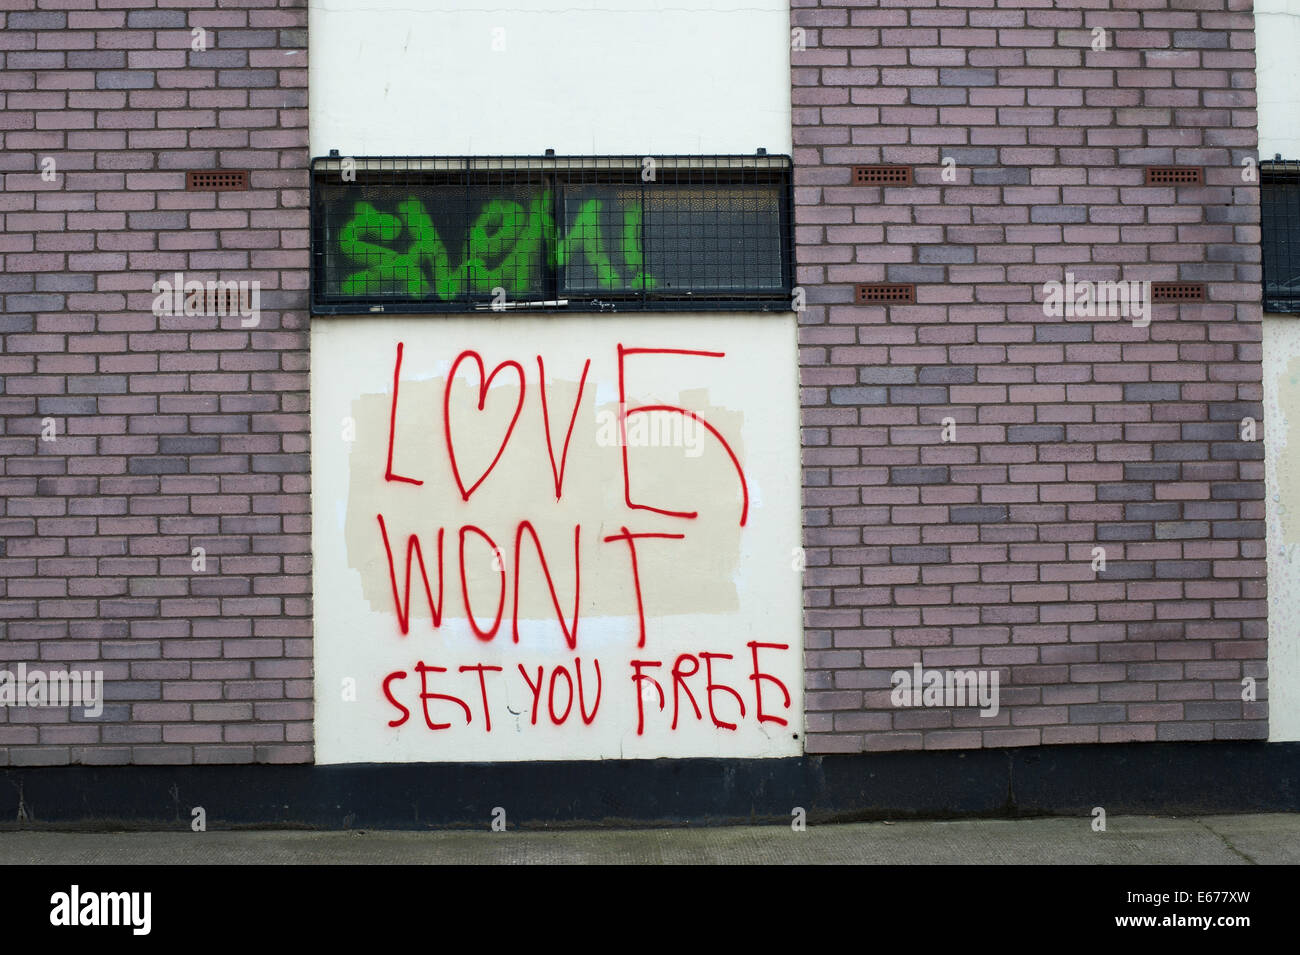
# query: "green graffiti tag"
515,238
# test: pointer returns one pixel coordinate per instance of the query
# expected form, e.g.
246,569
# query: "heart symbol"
485,382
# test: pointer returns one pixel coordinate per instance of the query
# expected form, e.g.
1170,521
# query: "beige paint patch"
674,463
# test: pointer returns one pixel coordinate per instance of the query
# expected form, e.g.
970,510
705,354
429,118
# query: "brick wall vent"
1178,291
882,293
882,175
222,301
216,180
1175,175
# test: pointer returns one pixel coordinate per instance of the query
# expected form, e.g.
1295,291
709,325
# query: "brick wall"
172,432
1071,433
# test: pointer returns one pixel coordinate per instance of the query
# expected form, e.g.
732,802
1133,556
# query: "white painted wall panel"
1277,37
719,588
579,76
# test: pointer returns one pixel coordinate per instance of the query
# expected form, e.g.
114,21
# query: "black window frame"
1279,235
623,172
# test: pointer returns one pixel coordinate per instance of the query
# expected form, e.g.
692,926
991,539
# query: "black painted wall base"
1164,778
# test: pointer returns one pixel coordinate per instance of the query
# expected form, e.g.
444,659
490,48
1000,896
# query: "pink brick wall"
1071,433
172,433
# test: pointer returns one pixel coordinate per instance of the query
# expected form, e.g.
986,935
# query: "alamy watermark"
193,297
83,688
643,429
948,688
1129,298
78,908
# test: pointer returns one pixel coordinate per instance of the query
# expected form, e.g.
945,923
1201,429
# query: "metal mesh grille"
590,234
1279,202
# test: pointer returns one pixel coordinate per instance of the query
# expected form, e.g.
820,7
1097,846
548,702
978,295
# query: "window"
1279,201
551,233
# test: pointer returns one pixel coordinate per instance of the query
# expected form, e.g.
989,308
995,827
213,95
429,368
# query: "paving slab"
1128,840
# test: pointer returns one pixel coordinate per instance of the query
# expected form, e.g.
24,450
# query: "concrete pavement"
1204,840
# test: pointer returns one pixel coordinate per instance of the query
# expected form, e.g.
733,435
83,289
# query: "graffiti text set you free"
730,689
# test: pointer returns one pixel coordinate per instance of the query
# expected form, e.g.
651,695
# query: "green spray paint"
505,232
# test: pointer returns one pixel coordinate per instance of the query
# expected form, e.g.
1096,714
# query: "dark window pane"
433,242
714,238
455,234
1279,198
600,248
